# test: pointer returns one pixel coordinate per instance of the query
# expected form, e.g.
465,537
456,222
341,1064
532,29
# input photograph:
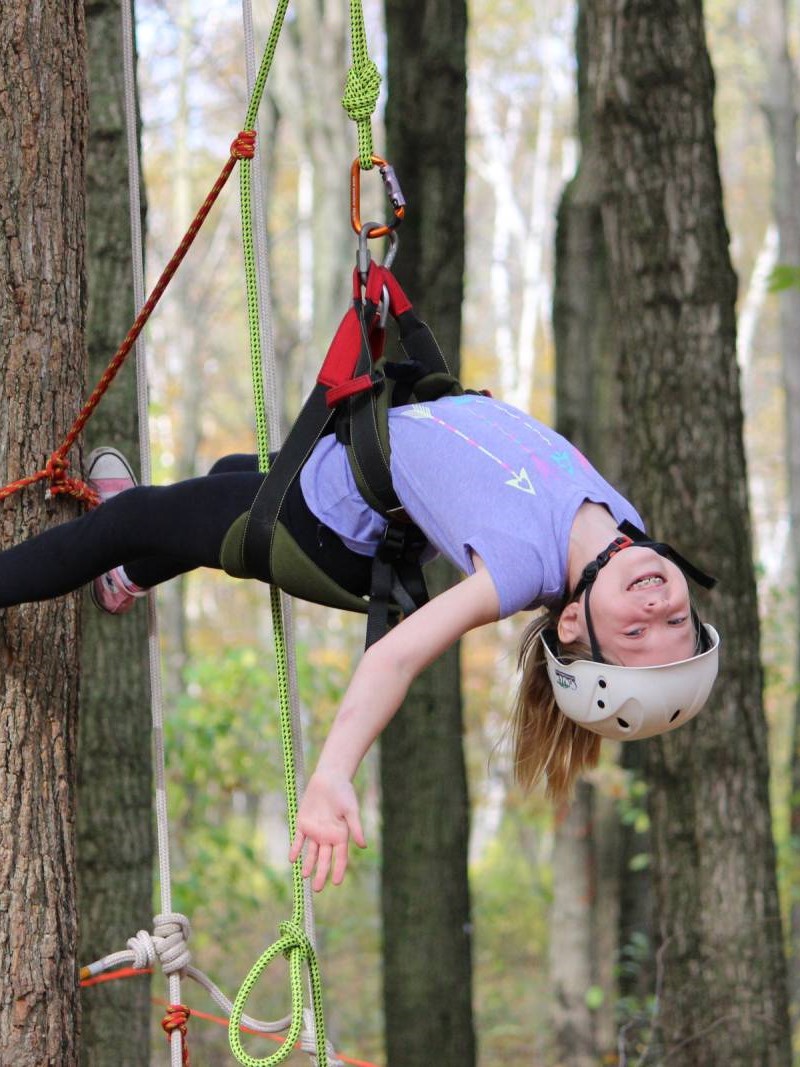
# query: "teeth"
643,583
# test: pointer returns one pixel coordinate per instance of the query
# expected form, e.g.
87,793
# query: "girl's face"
640,611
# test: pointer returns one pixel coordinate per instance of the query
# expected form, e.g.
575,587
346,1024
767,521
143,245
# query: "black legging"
158,532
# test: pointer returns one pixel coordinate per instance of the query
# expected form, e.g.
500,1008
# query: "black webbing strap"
368,450
397,579
639,537
310,425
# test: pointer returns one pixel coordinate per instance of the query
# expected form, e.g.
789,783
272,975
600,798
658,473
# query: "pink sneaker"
113,593
108,473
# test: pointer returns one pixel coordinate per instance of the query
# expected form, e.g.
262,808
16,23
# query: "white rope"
168,946
156,691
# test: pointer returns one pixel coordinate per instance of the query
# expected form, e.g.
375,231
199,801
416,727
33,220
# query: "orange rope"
243,147
133,972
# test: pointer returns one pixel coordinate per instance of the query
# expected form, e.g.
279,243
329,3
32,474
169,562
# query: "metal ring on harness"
363,260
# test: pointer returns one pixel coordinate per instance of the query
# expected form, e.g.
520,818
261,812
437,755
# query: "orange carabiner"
393,191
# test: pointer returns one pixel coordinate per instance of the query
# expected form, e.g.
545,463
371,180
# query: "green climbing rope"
293,943
362,87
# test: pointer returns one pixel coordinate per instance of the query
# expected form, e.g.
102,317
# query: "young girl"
617,651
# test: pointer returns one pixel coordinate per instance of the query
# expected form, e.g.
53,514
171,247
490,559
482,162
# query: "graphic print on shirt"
519,479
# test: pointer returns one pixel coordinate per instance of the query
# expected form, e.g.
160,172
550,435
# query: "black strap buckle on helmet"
632,535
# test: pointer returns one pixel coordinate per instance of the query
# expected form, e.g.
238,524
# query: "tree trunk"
572,936
781,110
587,412
115,848
723,993
425,895
42,306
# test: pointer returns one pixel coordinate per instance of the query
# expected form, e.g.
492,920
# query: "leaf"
784,277
594,997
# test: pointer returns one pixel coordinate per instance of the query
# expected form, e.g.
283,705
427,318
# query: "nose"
657,600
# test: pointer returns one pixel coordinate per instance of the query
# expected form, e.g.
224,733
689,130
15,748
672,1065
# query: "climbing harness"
355,388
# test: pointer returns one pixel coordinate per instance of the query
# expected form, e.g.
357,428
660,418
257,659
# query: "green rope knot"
298,940
361,91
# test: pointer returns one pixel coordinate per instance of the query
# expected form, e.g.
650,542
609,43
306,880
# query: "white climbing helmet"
632,703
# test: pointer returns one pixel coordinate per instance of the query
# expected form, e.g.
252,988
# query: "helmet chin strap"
630,537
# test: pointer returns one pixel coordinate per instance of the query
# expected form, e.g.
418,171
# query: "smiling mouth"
647,581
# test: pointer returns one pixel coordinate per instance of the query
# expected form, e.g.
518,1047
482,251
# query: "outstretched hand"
326,820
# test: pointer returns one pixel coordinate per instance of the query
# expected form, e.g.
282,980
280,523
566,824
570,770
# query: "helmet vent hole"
601,703
602,683
674,715
625,725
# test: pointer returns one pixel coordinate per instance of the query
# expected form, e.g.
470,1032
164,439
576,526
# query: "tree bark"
425,894
43,110
723,996
115,849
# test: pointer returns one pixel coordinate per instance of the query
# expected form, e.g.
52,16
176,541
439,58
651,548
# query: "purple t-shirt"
476,475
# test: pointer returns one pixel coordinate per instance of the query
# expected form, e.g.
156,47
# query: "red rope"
243,147
132,972
177,1018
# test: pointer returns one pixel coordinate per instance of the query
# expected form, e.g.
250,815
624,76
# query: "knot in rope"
170,936
143,949
243,145
300,941
361,91
56,472
177,1018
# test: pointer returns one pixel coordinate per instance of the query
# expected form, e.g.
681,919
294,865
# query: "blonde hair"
546,743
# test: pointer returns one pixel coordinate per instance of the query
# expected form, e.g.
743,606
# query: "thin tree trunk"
115,849
781,110
723,998
42,364
587,412
425,895
571,955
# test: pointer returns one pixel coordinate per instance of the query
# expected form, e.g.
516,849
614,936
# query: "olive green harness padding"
290,569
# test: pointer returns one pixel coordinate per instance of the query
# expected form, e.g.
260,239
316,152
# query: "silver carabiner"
363,257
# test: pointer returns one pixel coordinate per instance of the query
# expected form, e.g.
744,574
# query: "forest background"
225,795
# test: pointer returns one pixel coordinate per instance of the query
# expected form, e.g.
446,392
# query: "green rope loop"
294,942
362,86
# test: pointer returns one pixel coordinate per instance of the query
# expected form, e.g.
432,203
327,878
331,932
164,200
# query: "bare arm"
329,810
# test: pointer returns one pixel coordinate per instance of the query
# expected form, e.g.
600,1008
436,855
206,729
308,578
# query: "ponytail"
546,743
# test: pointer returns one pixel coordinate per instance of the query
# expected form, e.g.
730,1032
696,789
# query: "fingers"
297,846
339,863
323,866
353,820
328,858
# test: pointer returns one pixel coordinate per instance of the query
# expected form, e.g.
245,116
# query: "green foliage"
595,997
633,809
784,277
222,747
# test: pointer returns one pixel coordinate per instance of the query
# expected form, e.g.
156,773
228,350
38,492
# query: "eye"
635,633
679,621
